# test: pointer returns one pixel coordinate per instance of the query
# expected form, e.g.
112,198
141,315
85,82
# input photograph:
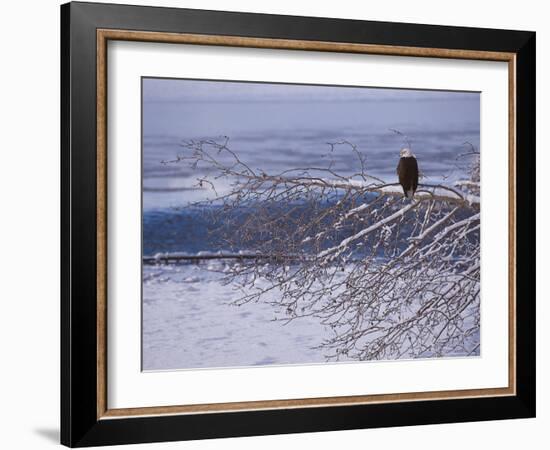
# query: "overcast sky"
171,90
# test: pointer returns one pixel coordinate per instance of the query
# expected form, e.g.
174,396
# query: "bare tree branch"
392,278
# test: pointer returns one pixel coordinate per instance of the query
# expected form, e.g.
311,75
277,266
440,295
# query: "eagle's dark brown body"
407,171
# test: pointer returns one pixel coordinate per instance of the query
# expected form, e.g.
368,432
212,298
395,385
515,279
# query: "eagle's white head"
406,153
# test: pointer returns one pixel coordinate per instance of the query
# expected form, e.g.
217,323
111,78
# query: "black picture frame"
80,425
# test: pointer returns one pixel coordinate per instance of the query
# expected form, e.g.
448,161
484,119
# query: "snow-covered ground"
189,322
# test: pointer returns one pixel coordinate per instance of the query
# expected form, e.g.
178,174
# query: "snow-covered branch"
392,277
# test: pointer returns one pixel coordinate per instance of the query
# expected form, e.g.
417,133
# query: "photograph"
286,221
293,224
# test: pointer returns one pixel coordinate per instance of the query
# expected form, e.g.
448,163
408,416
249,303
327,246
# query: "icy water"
188,320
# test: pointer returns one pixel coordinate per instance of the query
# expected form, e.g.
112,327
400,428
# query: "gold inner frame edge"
103,36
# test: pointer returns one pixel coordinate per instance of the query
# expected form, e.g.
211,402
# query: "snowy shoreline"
189,322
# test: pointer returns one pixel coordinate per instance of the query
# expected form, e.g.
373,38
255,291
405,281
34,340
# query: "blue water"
194,230
276,127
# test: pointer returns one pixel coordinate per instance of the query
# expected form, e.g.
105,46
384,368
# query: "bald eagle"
407,171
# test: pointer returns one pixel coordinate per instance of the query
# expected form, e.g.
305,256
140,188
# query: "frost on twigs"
392,278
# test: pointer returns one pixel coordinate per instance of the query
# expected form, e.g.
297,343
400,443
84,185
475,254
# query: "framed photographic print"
276,224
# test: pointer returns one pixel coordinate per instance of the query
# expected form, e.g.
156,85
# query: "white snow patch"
191,324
